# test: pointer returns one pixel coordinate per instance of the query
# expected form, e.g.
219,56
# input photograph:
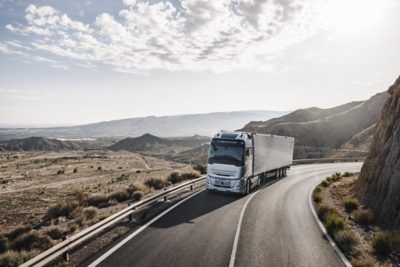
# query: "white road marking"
236,240
124,241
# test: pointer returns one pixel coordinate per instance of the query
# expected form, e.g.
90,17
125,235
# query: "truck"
241,161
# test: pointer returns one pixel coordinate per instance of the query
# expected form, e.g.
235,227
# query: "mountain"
344,130
38,144
150,144
198,154
166,126
379,184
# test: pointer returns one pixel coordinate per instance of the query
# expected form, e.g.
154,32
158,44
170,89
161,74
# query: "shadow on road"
204,203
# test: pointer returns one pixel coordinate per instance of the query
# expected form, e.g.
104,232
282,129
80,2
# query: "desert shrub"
336,176
137,195
318,189
90,213
324,183
80,195
317,197
190,175
334,223
385,243
14,258
350,204
363,262
62,209
98,200
32,240
175,177
120,196
75,170
202,168
363,216
323,211
3,244
17,232
99,168
346,240
55,233
60,172
156,183
347,174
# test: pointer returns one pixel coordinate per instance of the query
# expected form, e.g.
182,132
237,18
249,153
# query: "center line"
236,240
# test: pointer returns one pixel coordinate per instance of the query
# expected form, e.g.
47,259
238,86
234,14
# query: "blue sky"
73,62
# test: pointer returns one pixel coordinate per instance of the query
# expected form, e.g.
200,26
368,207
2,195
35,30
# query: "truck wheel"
248,187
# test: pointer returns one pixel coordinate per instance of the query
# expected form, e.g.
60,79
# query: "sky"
75,62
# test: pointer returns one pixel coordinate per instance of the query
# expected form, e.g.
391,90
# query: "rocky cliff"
379,181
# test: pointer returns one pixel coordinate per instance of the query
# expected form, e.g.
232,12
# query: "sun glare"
355,15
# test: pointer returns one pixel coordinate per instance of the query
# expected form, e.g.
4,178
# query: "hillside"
345,130
379,184
38,144
195,155
150,144
172,126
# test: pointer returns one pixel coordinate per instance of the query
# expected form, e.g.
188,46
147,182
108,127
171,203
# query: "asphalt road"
277,229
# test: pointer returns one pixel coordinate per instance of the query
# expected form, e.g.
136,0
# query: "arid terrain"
31,182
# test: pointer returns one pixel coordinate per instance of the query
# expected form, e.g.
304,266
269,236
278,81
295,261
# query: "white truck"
239,161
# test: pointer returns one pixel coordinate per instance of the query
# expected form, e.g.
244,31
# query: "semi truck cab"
230,164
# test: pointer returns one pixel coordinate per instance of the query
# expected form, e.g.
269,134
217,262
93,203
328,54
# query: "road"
276,228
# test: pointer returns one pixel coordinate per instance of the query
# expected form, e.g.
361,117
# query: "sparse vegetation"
346,240
363,216
98,200
14,258
55,233
363,262
323,211
137,195
90,213
156,183
334,223
350,204
120,196
99,168
75,170
202,168
32,240
3,244
177,177
317,197
385,243
60,172
347,174
62,209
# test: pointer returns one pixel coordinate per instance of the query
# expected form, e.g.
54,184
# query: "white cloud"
201,35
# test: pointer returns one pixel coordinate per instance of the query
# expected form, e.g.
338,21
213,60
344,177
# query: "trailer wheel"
258,181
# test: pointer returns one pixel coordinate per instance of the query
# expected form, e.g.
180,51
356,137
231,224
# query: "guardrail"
326,160
63,247
71,242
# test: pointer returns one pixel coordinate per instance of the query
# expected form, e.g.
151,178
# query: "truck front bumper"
225,185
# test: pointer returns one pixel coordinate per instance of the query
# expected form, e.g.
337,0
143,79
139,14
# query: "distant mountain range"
341,131
39,144
166,126
152,145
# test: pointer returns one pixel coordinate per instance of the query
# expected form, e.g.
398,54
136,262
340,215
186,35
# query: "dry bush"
347,174
120,196
14,258
18,231
346,240
90,213
137,195
202,168
98,200
317,197
385,243
334,223
3,244
323,211
156,183
32,240
177,177
55,233
325,183
62,209
363,216
350,204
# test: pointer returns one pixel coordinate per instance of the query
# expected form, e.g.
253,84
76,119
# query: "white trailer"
239,161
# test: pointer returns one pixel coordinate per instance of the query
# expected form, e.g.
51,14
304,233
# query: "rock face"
379,181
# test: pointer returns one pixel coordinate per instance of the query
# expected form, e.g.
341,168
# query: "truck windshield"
226,152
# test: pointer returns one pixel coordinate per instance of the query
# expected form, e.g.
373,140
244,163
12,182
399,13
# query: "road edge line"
138,231
239,226
326,234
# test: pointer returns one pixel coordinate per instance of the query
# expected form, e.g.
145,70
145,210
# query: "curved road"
277,229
